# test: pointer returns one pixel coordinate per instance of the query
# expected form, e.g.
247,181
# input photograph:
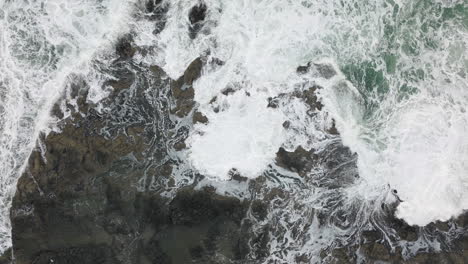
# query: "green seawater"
419,38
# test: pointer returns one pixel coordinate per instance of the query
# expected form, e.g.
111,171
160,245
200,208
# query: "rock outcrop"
87,196
101,190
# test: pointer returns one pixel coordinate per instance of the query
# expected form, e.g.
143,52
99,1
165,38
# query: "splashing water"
395,87
414,92
398,97
41,44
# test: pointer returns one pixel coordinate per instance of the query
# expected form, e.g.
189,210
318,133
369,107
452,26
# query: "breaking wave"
396,91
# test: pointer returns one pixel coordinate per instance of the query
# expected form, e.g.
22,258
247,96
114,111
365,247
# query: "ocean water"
402,110
398,99
396,88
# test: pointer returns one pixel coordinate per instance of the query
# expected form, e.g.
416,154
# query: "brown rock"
199,118
298,161
183,91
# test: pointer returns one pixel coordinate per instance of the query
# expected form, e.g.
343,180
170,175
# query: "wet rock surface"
87,197
6,257
182,89
93,194
300,160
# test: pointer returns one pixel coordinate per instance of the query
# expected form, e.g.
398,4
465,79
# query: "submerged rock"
323,70
197,13
196,17
124,48
155,10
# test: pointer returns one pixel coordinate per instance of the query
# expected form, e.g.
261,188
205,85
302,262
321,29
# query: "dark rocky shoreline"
84,201
80,201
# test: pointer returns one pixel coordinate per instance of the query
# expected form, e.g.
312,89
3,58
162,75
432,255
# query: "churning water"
396,89
403,110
